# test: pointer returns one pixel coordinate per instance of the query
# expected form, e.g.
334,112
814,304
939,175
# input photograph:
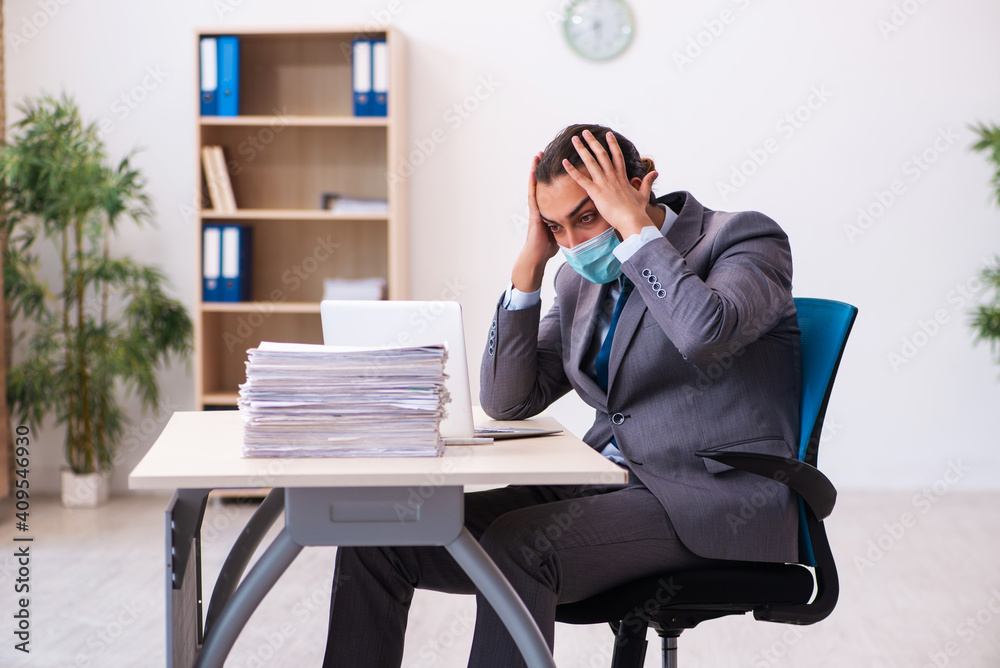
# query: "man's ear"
636,182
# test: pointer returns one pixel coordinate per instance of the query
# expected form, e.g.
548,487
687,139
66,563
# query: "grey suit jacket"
705,356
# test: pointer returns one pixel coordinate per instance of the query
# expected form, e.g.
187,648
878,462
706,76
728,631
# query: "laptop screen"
409,323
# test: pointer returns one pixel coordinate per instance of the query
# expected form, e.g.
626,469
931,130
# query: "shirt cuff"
515,300
627,248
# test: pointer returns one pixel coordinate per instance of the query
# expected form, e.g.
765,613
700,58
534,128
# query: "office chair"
674,601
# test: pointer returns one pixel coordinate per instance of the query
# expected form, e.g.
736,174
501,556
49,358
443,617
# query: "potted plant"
986,317
105,325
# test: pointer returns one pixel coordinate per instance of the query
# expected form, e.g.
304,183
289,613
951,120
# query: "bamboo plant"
100,332
986,317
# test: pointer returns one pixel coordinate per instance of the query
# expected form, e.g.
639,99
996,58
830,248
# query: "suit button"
657,286
646,273
618,418
651,279
661,293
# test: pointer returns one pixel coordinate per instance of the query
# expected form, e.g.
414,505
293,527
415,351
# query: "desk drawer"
427,515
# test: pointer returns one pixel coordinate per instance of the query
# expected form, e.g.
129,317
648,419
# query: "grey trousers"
554,544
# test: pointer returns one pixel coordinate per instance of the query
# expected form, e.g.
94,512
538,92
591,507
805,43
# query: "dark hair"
550,166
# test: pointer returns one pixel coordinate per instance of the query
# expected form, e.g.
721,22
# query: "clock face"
598,29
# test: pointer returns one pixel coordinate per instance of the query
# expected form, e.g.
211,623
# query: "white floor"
920,586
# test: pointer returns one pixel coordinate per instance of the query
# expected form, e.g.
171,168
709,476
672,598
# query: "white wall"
884,97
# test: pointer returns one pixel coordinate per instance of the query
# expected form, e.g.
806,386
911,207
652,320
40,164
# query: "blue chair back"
825,325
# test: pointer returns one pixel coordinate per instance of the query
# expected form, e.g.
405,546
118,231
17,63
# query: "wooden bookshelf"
296,138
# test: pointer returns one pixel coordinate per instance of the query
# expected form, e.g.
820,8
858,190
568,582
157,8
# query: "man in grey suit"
676,323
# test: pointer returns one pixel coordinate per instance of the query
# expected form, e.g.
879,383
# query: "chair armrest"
807,481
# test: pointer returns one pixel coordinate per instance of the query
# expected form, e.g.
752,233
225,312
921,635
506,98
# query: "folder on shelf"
211,263
229,76
220,187
361,76
211,178
236,263
380,77
225,183
209,76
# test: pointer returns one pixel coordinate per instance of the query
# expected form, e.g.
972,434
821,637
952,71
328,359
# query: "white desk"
337,501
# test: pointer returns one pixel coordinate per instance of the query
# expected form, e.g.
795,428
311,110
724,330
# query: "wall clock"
598,29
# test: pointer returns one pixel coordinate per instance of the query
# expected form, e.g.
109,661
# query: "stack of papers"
303,400
348,205
353,288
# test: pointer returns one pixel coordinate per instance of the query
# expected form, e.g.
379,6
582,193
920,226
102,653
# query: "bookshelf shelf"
279,120
290,215
296,139
262,307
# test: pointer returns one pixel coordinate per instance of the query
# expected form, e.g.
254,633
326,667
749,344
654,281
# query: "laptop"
418,323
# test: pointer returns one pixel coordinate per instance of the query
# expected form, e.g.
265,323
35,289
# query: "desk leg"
222,636
508,605
243,549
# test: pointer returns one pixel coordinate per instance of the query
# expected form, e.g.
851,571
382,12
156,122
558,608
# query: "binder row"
370,77
225,263
220,76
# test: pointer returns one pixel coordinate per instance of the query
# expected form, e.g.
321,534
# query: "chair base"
631,645
669,645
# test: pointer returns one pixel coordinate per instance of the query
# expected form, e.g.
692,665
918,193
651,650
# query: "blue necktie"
604,354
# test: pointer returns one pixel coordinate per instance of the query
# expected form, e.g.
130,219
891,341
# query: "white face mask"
593,258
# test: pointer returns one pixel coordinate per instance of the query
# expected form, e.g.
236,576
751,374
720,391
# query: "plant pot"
85,490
